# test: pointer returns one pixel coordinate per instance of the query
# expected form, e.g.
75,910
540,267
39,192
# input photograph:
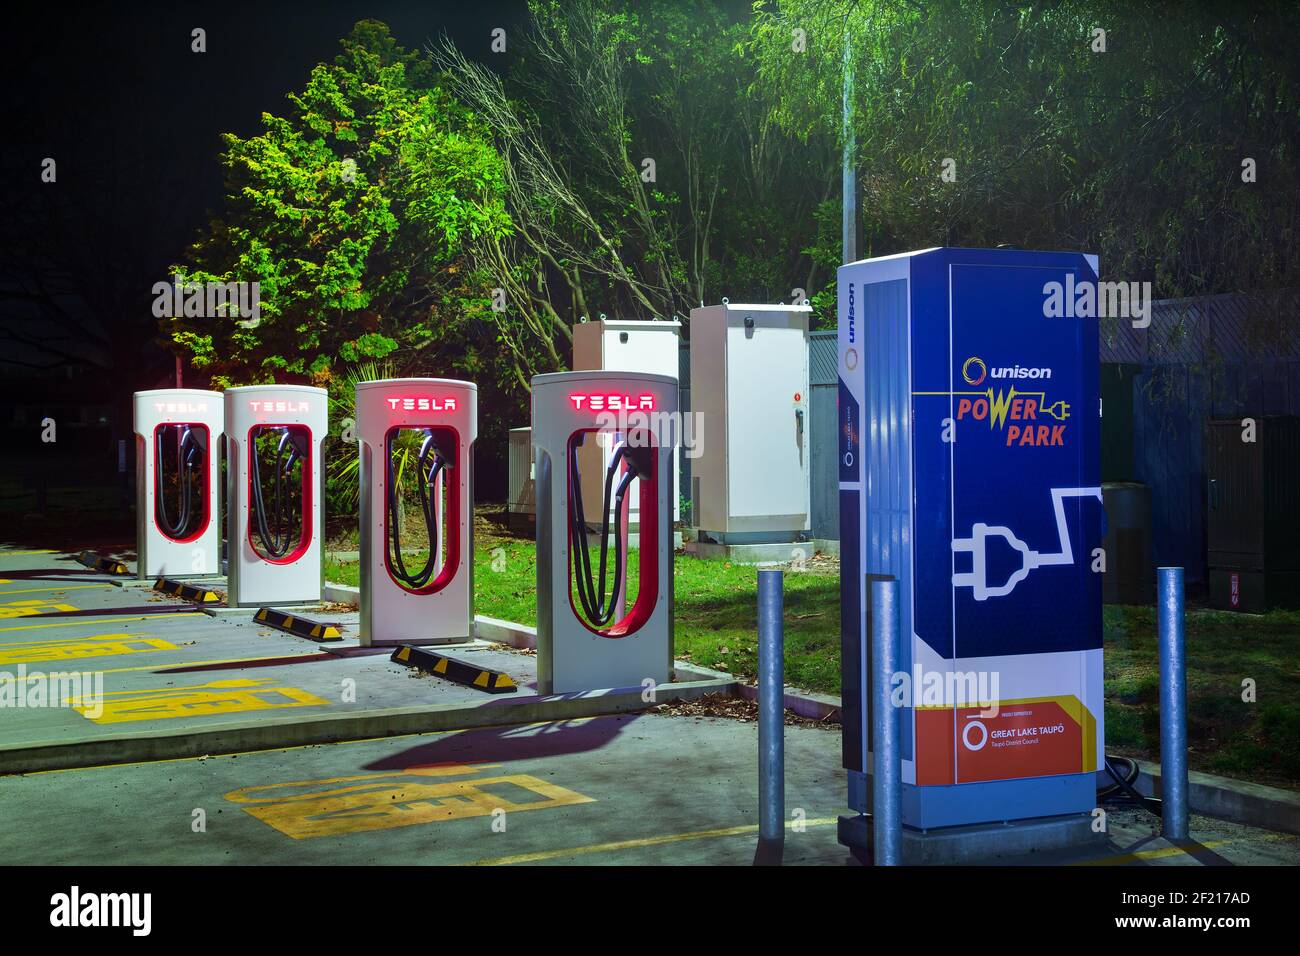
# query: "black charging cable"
189,461
591,593
431,462
276,544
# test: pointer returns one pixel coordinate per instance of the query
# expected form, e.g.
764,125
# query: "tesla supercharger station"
417,433
274,496
601,623
969,469
177,467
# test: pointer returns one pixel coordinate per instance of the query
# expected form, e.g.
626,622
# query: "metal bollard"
887,769
771,707
1173,703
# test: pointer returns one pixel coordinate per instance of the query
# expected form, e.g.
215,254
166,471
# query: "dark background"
132,117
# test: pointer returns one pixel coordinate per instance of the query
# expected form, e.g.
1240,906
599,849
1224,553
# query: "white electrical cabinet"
615,345
521,499
749,401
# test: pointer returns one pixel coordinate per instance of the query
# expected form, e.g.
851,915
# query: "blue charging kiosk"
969,469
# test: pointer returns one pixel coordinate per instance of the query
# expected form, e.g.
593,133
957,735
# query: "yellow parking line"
1139,855
26,554
631,844
66,587
172,666
109,620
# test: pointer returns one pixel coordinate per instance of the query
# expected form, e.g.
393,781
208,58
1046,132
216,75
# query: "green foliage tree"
354,214
1134,152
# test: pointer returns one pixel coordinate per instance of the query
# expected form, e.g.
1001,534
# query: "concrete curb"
340,593
277,733
505,632
1254,804
804,703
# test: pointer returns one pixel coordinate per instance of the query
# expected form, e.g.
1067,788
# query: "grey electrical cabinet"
1253,512
749,402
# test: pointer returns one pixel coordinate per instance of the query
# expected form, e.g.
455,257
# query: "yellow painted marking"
180,665
504,680
23,554
261,615
441,666
633,844
288,622
404,654
383,801
65,587
482,679
199,700
31,607
79,648
107,620
1139,855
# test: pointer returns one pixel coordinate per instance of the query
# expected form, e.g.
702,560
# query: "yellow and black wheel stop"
187,592
298,626
107,565
440,665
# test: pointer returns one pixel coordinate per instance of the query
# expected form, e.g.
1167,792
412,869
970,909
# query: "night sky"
133,117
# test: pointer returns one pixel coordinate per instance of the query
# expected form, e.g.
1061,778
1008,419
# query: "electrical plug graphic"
1060,410
977,577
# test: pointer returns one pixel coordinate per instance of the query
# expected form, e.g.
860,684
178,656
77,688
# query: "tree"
354,214
644,172
1134,153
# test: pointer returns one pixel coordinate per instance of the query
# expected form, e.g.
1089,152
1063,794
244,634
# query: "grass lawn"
1258,741
717,622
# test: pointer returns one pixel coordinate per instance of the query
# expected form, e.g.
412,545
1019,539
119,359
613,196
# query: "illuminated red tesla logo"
423,403
607,402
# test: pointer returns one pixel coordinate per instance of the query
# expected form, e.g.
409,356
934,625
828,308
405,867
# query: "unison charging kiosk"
422,431
969,470
274,498
178,474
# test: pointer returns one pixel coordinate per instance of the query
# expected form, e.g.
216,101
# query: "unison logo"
75,908
1019,371
852,323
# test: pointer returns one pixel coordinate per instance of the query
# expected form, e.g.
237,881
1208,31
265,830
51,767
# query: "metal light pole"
849,238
